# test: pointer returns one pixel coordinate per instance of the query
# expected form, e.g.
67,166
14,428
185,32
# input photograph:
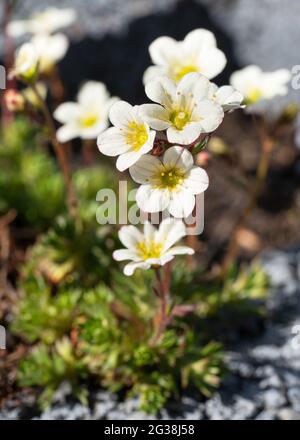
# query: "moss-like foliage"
105,332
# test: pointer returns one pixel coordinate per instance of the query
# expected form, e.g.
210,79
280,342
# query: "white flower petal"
247,78
120,114
199,39
149,231
187,135
211,62
211,115
197,180
180,250
125,254
155,115
162,50
162,90
229,98
181,204
151,199
164,259
170,231
145,168
153,72
131,267
67,112
17,28
92,91
111,142
67,132
193,85
130,236
50,49
126,160
179,157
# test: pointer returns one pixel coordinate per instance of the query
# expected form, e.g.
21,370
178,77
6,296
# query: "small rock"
288,414
266,415
265,353
272,381
290,378
62,392
293,395
217,410
243,409
101,409
274,399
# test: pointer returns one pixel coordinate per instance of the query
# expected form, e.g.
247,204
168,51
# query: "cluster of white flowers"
186,108
259,87
45,48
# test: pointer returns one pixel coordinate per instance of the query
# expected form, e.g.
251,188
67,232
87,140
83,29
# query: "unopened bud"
26,64
203,158
14,100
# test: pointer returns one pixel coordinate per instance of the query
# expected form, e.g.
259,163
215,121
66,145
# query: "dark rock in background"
120,60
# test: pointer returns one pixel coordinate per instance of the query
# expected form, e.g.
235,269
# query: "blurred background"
109,43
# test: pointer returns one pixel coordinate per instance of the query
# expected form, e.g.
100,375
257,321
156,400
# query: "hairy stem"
60,154
163,317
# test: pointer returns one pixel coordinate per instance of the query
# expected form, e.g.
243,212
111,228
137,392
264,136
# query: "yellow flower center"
253,96
149,249
180,118
88,120
136,135
169,178
180,70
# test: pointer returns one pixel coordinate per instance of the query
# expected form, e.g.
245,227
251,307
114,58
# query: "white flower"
130,137
185,111
255,84
45,22
50,49
196,53
170,183
229,98
152,248
26,63
87,117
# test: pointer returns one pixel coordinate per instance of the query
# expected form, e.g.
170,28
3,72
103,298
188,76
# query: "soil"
275,220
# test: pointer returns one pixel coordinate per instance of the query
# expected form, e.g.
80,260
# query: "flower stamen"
137,135
180,118
170,178
88,120
149,249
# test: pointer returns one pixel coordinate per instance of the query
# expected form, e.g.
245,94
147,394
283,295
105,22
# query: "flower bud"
31,97
203,158
14,100
26,63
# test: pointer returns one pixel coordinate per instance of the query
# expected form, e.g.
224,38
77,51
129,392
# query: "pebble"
274,399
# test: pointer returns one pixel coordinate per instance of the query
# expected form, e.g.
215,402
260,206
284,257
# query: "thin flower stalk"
60,154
